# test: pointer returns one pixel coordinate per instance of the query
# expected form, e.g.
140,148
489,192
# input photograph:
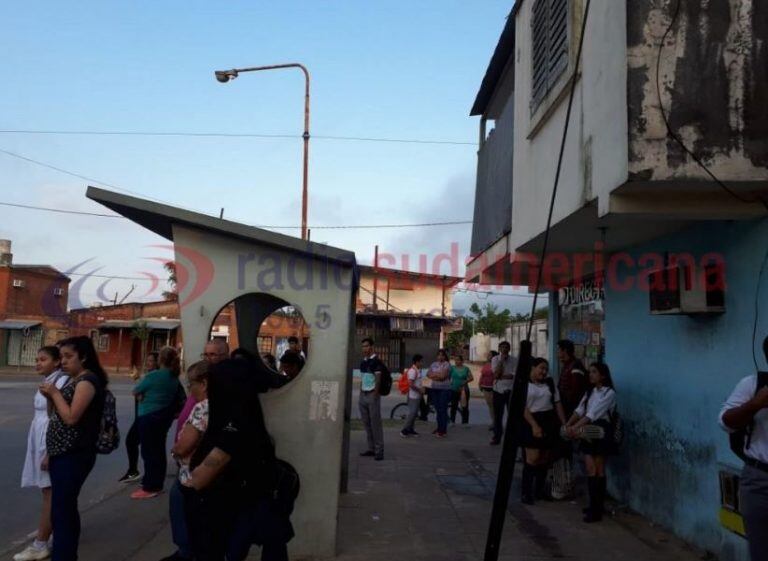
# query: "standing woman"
544,415
486,384
132,438
71,438
228,494
440,375
35,474
158,391
461,377
596,408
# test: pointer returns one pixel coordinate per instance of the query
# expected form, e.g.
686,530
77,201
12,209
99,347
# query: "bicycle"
400,411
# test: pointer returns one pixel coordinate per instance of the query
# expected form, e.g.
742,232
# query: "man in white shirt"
747,408
504,366
415,392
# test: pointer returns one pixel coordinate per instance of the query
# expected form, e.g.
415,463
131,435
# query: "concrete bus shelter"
218,262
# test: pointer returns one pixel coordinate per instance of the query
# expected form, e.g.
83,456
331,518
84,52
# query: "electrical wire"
671,133
235,135
61,210
75,174
265,226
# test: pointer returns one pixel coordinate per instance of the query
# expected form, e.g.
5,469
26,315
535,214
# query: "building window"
265,344
550,47
100,341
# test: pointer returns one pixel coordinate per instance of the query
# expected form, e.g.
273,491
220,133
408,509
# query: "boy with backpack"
412,377
745,416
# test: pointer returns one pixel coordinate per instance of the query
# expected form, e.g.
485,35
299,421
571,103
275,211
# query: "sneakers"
440,435
130,477
408,434
33,553
367,454
142,494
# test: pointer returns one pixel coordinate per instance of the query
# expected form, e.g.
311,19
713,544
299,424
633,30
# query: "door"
23,346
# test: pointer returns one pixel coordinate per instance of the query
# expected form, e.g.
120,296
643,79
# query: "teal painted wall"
672,374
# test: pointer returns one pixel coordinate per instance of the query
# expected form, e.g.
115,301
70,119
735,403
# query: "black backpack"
109,435
385,382
287,486
741,439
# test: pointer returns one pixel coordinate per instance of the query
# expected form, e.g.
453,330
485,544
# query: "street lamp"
225,76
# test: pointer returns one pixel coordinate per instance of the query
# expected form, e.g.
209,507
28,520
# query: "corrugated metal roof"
151,323
18,323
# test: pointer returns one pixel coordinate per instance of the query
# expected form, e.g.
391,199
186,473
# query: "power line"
61,211
265,226
75,174
236,135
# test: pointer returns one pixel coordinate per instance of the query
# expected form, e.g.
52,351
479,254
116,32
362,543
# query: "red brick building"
33,308
124,333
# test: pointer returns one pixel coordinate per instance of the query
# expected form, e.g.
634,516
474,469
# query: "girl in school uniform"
544,416
596,408
35,474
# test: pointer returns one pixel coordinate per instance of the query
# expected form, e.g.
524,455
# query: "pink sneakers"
142,494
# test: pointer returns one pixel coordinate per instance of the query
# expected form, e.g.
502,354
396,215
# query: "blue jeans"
153,431
441,399
68,472
179,521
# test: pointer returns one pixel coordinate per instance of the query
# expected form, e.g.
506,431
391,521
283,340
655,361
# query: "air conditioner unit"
687,289
19,283
58,292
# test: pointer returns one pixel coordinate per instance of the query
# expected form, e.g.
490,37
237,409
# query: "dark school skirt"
550,424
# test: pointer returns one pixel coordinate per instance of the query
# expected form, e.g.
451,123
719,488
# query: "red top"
486,376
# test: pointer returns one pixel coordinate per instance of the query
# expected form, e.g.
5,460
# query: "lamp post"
225,76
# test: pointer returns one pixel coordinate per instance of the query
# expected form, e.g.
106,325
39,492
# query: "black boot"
541,484
596,499
527,484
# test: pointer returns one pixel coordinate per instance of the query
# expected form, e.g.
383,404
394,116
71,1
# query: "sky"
402,70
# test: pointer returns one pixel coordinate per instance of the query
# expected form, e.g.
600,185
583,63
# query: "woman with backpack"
597,409
544,416
159,391
71,440
35,474
228,496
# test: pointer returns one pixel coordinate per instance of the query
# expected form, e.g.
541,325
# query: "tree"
171,295
140,331
490,320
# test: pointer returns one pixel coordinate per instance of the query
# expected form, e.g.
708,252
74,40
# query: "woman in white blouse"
596,408
544,416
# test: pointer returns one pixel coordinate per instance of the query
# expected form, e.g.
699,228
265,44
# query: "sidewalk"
429,500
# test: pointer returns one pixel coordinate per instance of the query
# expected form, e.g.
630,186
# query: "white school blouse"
540,398
600,405
744,392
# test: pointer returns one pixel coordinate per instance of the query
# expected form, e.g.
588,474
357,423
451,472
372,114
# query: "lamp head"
225,76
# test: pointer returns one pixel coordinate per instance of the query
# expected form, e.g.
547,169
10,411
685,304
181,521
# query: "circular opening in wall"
268,332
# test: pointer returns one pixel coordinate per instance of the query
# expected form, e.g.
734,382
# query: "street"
19,517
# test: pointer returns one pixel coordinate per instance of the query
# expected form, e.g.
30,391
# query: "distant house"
33,308
404,313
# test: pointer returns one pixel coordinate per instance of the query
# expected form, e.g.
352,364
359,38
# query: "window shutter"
549,46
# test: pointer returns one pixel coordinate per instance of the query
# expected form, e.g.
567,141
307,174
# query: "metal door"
23,346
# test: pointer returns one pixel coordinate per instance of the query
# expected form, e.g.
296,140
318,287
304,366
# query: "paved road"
21,506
